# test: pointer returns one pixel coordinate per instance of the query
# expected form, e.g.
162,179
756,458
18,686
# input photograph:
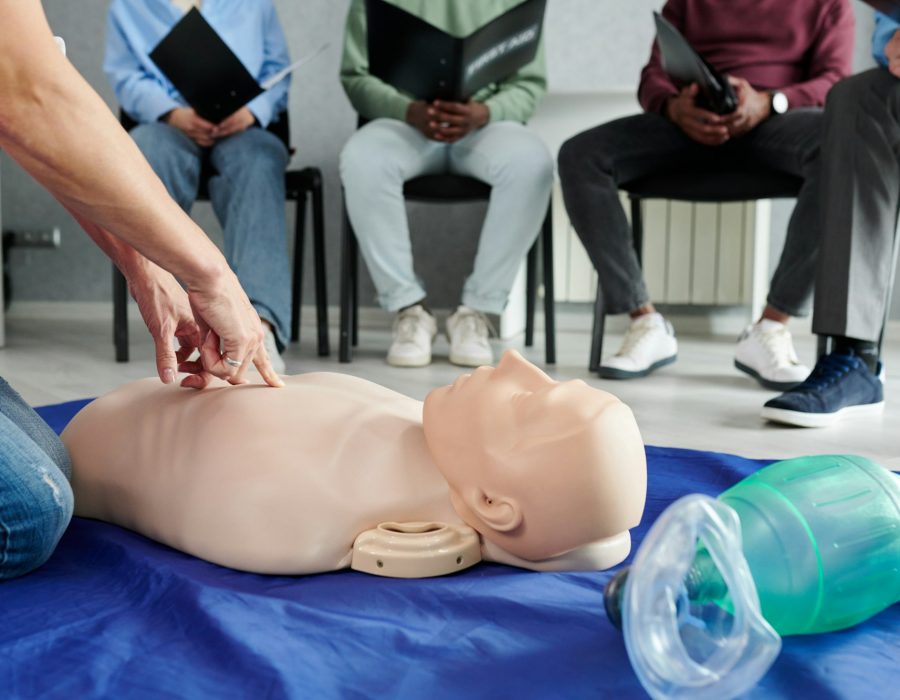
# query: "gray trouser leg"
859,199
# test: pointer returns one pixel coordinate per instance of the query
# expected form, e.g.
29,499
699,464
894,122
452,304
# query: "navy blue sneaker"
839,386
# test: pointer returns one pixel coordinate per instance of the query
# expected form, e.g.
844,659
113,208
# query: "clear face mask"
689,608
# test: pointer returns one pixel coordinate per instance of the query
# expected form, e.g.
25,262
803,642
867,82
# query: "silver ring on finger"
231,362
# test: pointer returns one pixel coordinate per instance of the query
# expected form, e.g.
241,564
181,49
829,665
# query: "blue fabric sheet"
115,615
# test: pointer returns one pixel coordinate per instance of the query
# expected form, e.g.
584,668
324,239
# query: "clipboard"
206,72
422,60
685,66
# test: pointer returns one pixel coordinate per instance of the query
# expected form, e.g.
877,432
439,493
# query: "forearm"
62,133
130,262
655,87
518,97
811,93
374,99
830,59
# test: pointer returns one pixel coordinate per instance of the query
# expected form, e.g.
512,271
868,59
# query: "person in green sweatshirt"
405,137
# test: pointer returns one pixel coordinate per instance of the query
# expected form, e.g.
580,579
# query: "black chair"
691,186
449,188
299,184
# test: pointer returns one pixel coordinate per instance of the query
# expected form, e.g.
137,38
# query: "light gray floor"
59,352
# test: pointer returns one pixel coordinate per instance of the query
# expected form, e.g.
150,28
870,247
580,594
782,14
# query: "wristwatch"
779,102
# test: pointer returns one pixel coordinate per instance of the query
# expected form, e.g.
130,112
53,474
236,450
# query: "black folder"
685,66
422,60
206,72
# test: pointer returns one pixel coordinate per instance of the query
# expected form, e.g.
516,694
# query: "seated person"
484,138
859,199
248,161
781,58
552,475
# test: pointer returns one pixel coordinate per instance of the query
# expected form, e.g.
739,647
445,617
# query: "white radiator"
707,254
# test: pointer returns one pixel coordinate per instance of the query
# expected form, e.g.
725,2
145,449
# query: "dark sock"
865,350
421,303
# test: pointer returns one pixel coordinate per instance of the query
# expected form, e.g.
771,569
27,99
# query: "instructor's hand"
165,308
699,124
230,330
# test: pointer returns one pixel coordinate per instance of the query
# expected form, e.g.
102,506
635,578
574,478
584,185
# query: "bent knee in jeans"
36,505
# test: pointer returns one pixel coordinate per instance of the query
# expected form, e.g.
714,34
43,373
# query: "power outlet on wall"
33,239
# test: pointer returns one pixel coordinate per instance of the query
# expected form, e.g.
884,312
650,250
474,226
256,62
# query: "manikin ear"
500,513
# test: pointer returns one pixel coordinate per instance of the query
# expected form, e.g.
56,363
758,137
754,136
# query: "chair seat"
715,185
298,182
446,188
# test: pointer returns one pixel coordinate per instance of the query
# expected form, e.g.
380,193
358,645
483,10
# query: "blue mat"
115,615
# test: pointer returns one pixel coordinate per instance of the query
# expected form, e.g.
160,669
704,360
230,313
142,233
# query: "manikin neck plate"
416,550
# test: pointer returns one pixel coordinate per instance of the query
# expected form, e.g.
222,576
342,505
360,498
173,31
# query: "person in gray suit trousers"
859,201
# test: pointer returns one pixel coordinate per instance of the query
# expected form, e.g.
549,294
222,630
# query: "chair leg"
637,228
120,315
890,289
598,330
530,293
599,325
549,288
354,272
297,277
348,251
319,259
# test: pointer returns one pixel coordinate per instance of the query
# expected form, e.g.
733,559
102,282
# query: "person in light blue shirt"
247,160
885,28
858,204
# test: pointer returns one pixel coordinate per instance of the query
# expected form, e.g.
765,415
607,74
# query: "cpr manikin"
550,474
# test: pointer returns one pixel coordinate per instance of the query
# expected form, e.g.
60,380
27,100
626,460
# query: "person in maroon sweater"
782,58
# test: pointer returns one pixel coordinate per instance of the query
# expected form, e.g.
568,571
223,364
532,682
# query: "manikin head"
538,467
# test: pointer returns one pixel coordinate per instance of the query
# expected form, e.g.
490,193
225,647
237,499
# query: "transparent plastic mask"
690,611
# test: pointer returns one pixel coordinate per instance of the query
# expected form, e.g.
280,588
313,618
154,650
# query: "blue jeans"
35,496
247,195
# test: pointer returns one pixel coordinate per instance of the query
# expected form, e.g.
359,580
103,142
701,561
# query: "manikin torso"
265,480
551,474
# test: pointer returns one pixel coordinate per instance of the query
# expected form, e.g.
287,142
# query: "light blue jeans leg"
35,496
375,163
519,168
174,158
247,194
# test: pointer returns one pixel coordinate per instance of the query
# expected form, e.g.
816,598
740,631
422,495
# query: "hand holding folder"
685,66
207,73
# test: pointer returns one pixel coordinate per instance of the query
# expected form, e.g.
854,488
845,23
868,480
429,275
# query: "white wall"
595,48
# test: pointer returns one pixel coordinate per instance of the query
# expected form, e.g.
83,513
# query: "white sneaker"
765,351
468,331
271,347
414,329
649,344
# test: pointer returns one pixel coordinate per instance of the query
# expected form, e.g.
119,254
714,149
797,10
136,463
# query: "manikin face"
537,465
499,408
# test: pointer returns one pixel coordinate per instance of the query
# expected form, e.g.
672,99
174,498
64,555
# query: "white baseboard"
570,317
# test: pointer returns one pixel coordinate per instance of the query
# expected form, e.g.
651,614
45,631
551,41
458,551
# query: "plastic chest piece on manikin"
803,546
416,550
